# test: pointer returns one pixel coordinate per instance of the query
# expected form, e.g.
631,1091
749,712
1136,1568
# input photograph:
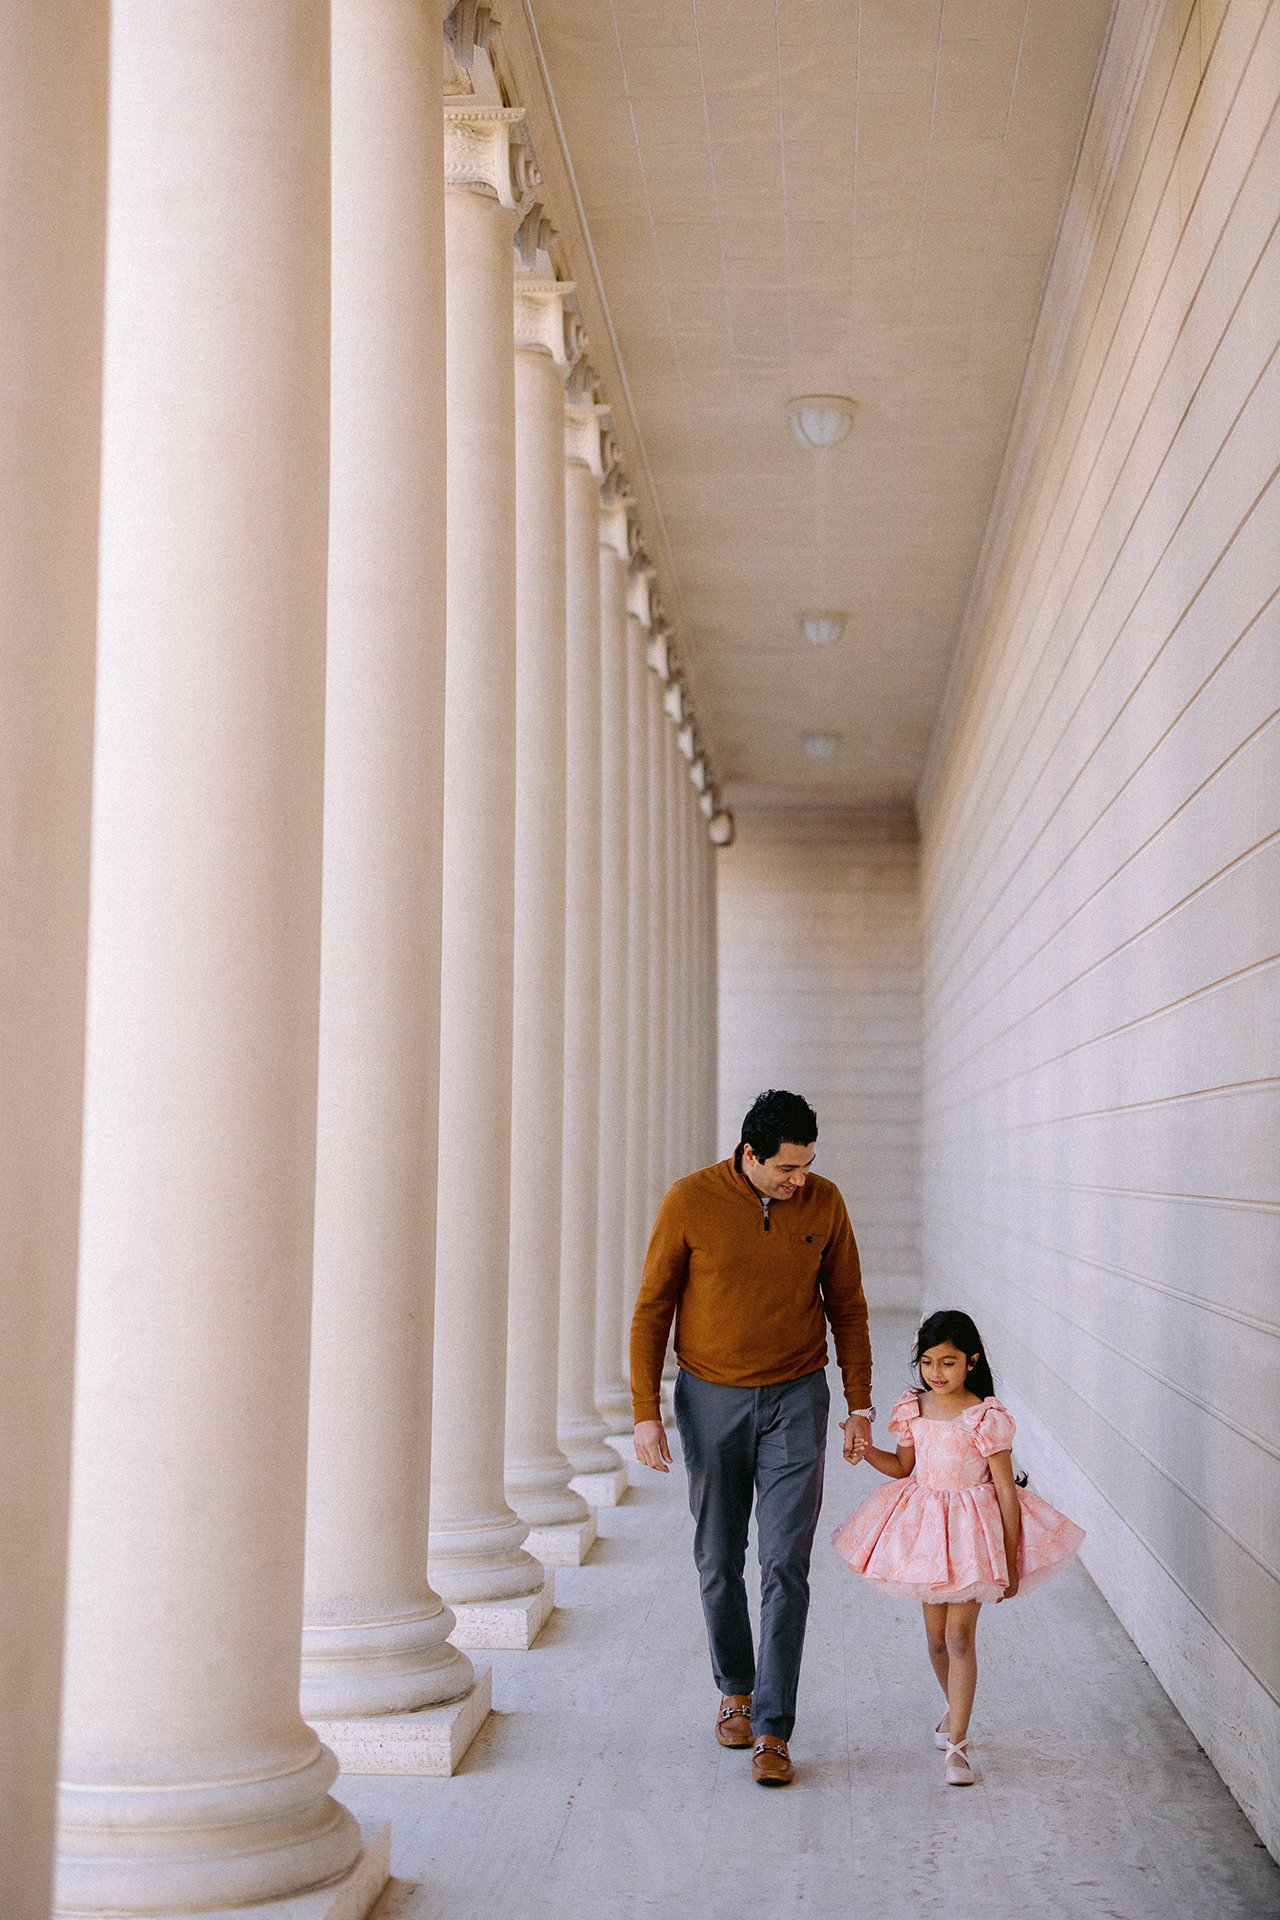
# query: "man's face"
783,1175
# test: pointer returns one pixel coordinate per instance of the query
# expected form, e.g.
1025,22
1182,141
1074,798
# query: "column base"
430,1742
607,1489
624,1446
508,1626
353,1897
614,1405
563,1546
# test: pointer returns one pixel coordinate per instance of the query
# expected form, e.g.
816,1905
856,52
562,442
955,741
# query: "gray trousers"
769,1442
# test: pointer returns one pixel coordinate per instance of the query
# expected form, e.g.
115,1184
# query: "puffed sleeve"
906,1408
993,1428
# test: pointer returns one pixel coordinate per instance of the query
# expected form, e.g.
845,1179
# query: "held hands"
857,1437
651,1446
1010,1590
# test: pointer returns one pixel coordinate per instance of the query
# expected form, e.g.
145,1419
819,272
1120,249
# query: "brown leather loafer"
733,1725
771,1763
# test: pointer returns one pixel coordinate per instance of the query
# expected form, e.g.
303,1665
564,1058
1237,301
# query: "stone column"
613,1397
52,213
639,1214
656,743
598,1475
676,1069
498,1591
537,1471
377,1661
191,1780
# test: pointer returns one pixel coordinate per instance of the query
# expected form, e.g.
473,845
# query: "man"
753,1257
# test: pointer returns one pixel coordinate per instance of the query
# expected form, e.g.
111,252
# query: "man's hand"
651,1446
857,1437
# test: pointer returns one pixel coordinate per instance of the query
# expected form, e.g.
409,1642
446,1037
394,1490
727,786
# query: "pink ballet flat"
959,1772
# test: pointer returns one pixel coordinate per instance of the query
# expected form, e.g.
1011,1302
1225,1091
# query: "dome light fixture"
820,419
820,746
824,626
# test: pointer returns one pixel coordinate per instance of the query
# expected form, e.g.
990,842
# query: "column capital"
673,700
720,832
583,436
613,528
698,774
638,596
545,319
658,654
687,740
486,151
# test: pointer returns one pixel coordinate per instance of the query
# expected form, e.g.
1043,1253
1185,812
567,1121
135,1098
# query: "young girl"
953,1529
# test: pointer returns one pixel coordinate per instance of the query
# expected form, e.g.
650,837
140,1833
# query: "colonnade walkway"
596,1791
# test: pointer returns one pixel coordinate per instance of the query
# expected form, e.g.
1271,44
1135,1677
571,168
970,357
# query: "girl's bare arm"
896,1465
1001,1465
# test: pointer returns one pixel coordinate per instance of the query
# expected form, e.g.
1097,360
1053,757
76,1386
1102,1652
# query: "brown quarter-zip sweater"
751,1288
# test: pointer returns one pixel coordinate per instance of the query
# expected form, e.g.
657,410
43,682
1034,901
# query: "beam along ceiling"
795,196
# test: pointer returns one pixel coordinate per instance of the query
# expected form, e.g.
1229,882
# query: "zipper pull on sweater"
765,1205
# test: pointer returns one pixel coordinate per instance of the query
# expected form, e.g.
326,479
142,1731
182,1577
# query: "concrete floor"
596,1791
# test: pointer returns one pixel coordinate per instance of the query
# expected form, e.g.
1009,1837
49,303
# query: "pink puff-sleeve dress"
937,1535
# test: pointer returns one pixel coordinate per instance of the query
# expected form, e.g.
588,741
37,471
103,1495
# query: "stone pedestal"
510,1625
431,1742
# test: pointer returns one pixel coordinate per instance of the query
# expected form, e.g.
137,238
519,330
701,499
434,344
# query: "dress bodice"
953,1453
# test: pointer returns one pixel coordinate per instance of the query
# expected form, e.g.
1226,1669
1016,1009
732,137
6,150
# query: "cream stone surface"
605,1488
429,1742
566,1545
659,1001
638,1217
476,1553
189,1777
1100,892
52,196
513,1623
375,1639
354,1897
612,1396
581,1428
820,990
537,1471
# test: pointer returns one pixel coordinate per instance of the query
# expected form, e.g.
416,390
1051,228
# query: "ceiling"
788,196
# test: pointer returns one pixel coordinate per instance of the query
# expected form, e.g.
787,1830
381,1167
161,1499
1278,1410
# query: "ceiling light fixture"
820,419
824,628
820,746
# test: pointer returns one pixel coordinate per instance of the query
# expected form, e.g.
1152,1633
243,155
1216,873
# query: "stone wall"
1101,881
820,991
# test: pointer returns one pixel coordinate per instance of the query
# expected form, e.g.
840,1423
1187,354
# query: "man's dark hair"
775,1117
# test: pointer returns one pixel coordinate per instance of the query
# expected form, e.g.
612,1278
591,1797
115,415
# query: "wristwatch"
863,1413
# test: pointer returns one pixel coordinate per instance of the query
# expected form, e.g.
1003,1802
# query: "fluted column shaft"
612,1395
192,1780
475,1537
52,222
376,1635
581,1428
639,1218
537,1471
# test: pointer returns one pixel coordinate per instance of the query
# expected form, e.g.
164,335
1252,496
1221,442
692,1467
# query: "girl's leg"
935,1633
960,1637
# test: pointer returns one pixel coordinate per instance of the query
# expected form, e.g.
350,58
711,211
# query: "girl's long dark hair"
958,1329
